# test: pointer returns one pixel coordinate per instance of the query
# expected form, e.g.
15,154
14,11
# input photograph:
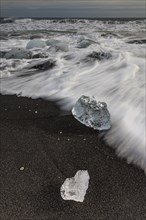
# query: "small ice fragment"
36,112
21,168
18,106
92,113
75,188
60,132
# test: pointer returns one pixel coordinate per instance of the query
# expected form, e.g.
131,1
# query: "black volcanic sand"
51,148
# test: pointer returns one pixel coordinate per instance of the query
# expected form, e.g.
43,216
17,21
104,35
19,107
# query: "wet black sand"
51,148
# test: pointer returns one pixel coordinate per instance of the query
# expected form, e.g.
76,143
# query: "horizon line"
17,17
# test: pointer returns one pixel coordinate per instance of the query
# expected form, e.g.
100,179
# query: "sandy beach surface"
41,147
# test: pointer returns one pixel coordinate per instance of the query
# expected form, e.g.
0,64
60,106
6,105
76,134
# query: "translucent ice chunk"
91,113
18,53
58,45
35,43
75,188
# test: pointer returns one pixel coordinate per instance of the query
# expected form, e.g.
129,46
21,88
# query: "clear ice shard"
92,113
75,188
